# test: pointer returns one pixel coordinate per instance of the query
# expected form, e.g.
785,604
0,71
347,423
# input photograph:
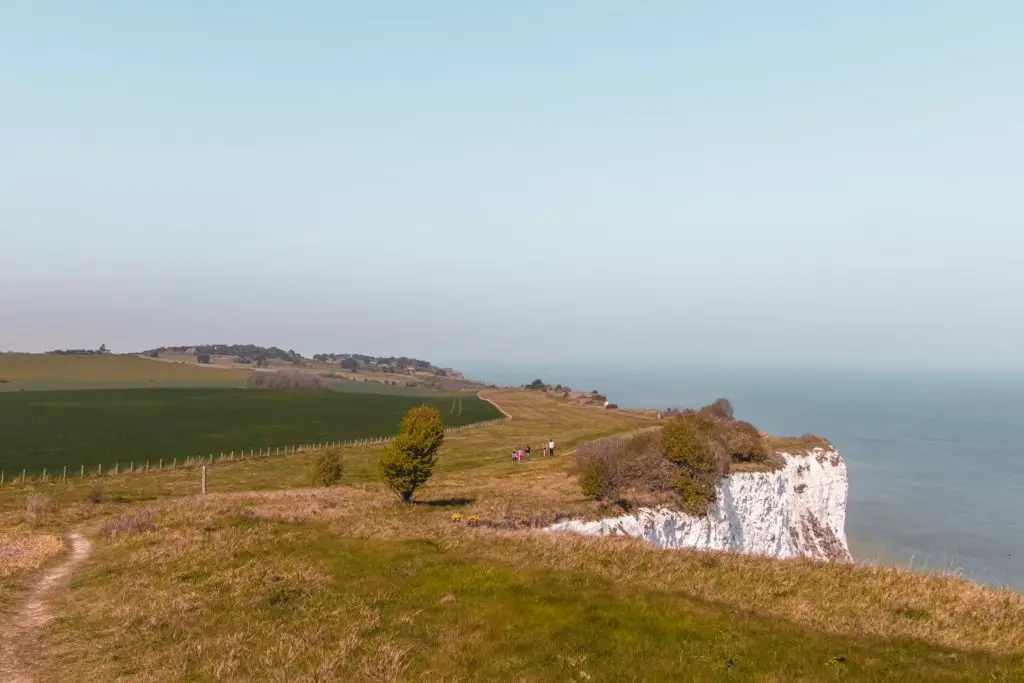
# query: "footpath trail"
17,636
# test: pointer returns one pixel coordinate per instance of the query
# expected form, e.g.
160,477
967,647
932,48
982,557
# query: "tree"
721,408
203,358
408,461
103,349
350,364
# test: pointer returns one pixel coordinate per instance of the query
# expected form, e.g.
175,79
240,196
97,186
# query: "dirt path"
17,636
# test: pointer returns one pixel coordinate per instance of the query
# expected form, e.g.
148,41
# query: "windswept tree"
408,461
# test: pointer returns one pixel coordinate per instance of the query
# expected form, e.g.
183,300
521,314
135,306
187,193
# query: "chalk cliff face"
797,511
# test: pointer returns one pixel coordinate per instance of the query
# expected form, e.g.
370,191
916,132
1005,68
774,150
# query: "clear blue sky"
744,181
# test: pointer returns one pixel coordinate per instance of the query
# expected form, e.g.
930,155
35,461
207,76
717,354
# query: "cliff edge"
798,510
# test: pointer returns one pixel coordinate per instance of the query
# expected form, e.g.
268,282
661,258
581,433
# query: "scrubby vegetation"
408,460
284,379
679,465
345,584
328,468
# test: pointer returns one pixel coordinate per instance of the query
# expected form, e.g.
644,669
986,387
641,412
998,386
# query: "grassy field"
53,429
30,372
265,579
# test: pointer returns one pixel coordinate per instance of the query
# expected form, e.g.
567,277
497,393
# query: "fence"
163,464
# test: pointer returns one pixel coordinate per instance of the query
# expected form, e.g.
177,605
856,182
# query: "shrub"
691,443
95,496
745,444
609,467
590,479
720,408
285,379
138,522
328,467
39,504
408,460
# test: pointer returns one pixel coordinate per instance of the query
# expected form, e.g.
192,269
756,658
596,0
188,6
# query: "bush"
95,496
408,461
691,443
138,522
612,466
721,409
328,467
745,444
285,379
39,504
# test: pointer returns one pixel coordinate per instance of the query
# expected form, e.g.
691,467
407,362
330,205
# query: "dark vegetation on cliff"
680,464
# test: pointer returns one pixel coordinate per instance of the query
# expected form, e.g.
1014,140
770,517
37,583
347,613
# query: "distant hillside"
353,362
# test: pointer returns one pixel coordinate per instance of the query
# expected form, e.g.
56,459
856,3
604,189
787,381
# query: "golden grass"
346,583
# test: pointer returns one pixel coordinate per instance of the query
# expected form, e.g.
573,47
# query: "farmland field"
52,429
33,372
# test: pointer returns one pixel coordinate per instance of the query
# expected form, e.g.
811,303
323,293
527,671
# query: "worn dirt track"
17,636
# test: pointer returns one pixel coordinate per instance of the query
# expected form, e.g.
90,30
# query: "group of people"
520,454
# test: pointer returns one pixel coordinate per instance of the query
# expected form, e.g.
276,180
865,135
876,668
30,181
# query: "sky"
527,182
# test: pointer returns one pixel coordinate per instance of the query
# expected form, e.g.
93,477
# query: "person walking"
527,452
520,452
515,455
551,447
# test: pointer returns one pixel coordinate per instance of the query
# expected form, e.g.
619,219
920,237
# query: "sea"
935,459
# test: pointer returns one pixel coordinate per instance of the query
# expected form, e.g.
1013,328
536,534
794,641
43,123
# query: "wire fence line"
170,464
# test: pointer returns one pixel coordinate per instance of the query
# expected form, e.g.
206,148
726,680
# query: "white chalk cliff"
796,511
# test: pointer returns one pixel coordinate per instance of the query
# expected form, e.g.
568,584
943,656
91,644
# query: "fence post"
44,475
117,467
203,478
161,465
99,470
81,475
147,466
1,477
174,465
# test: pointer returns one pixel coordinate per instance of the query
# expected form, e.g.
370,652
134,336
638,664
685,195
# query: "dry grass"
23,552
345,583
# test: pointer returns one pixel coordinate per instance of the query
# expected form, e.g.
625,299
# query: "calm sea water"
936,461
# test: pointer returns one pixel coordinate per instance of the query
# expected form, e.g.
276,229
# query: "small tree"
203,358
329,468
721,408
408,461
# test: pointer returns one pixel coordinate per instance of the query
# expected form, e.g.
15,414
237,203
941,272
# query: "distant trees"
285,379
203,358
350,364
537,385
408,460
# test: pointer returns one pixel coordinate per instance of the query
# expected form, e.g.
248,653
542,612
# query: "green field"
53,429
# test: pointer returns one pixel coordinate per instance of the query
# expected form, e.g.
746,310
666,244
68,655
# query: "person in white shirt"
551,447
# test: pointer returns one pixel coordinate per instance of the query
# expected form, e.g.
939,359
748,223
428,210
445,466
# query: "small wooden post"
44,475
63,477
131,466
203,478
117,467
23,477
1,477
147,466
174,464
81,475
99,469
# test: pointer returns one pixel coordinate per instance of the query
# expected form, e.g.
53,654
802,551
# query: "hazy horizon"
801,185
